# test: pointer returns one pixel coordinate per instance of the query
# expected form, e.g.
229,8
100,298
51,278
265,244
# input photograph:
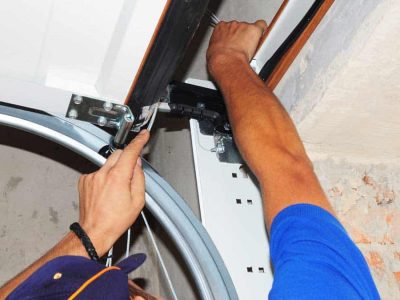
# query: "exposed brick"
389,219
375,260
387,240
397,276
335,191
358,236
368,180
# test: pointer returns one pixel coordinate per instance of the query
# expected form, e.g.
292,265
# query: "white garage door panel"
92,47
23,26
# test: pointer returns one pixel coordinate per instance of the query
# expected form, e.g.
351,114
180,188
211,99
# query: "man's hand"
237,40
112,198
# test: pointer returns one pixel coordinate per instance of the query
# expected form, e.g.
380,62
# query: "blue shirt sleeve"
314,258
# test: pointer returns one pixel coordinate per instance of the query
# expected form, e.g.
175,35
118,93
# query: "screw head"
220,149
108,106
201,105
77,99
129,118
73,114
101,121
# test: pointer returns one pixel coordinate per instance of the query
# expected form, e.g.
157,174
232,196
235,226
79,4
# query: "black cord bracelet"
87,243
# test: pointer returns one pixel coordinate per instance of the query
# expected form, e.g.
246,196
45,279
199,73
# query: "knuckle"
99,175
113,175
82,179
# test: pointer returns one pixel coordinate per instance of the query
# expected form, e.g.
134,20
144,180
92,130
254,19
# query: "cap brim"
132,262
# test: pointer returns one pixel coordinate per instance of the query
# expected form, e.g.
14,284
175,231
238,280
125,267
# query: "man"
313,257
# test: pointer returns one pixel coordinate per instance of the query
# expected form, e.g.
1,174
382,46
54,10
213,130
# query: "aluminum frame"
170,210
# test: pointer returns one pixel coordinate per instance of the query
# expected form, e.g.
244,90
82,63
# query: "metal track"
170,210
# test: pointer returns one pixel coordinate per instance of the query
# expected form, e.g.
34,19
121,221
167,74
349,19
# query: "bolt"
129,118
201,105
108,106
77,99
73,114
164,99
219,148
102,121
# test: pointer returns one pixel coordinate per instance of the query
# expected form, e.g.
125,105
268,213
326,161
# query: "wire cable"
153,117
164,268
128,242
109,257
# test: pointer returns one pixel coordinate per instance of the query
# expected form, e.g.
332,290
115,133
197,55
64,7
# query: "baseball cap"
77,277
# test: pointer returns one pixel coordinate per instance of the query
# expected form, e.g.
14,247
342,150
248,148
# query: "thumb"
262,25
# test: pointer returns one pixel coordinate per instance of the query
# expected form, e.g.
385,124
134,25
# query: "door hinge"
104,114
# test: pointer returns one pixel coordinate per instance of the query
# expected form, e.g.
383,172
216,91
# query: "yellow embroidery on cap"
57,276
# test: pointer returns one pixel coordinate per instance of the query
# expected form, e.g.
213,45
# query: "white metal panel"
91,47
231,211
291,16
34,95
131,38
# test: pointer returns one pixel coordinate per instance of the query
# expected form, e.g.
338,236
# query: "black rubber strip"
273,62
178,28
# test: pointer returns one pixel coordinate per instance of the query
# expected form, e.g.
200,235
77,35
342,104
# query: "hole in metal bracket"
250,269
234,175
249,202
239,201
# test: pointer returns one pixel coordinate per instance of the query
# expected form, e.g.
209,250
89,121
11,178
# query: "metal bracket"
203,104
104,114
226,149
208,108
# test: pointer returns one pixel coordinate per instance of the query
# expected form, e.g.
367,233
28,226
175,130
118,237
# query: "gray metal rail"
170,210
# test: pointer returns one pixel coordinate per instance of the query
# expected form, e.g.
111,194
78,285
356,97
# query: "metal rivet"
57,276
102,121
73,114
108,106
201,105
219,148
129,118
78,99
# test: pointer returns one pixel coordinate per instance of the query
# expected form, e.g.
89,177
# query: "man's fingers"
137,182
111,160
129,156
262,25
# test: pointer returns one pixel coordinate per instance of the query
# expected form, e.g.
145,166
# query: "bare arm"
110,201
263,130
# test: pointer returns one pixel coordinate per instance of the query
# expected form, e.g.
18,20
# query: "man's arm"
263,130
313,256
110,200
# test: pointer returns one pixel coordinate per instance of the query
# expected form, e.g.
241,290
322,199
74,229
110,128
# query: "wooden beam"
273,22
292,53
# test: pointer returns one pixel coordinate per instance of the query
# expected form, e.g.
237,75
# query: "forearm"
267,138
258,119
69,245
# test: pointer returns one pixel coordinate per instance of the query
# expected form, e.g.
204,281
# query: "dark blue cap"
76,277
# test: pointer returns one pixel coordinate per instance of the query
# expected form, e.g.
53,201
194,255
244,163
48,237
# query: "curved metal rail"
170,210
